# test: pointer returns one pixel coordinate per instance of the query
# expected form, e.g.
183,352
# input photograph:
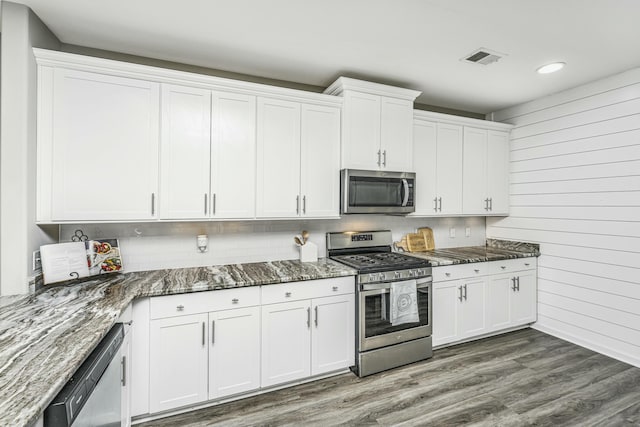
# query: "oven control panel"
394,276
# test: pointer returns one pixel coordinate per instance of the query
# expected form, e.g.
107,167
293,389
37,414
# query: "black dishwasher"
92,397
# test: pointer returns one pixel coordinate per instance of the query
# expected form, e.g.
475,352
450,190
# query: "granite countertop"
494,250
45,337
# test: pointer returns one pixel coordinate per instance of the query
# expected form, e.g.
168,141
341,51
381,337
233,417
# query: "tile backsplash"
152,246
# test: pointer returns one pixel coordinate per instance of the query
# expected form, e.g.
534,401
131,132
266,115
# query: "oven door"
375,329
377,192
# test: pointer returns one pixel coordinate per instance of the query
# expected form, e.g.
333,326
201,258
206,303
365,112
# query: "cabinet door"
396,134
498,172
278,189
474,172
125,381
184,152
361,131
445,312
233,156
178,362
286,342
424,161
104,147
320,161
449,161
234,357
499,295
333,333
473,308
523,300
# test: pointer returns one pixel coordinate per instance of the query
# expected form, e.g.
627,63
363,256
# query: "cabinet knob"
287,294
503,267
334,289
235,301
447,274
476,270
180,307
526,264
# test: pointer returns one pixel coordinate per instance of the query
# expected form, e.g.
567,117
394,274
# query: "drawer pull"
235,301
476,270
503,267
287,294
447,274
526,264
180,307
334,289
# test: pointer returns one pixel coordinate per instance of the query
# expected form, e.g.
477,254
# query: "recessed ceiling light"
551,68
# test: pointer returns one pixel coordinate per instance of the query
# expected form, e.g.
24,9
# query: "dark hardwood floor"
517,379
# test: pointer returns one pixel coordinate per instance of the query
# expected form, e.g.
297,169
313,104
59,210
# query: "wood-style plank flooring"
517,379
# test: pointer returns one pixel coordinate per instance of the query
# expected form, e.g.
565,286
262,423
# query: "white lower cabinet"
209,345
234,355
471,300
178,362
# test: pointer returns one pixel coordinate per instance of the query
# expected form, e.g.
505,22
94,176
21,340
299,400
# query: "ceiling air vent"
483,56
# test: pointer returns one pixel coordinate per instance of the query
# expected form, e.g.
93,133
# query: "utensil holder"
309,252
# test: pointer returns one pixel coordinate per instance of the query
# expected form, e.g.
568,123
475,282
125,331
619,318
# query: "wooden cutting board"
427,234
416,243
402,244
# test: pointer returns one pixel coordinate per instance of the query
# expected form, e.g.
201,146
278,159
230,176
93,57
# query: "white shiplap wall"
575,190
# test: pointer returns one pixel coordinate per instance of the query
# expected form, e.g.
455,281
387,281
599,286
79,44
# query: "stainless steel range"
393,300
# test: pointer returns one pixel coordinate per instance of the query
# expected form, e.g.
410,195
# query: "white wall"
575,190
21,30
173,245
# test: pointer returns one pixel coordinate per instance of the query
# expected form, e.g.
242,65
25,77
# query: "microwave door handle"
405,185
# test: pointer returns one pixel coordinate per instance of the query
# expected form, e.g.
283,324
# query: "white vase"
309,252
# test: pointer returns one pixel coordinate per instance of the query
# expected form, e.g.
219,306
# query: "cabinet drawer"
511,265
295,291
202,302
459,271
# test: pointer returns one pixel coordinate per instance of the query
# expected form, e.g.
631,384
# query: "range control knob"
397,274
381,276
372,277
412,273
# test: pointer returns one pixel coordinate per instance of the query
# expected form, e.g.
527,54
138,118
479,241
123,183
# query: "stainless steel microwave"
377,192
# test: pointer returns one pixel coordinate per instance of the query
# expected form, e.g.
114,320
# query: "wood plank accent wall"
575,190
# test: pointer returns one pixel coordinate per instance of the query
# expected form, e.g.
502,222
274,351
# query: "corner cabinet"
462,164
479,299
376,129
98,143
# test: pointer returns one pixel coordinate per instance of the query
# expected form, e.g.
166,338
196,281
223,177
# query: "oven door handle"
405,185
423,282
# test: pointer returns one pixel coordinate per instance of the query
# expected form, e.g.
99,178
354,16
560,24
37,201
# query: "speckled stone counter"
494,250
46,336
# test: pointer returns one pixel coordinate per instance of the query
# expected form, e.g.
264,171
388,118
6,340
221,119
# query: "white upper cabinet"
377,130
298,159
460,169
98,145
278,158
437,161
486,172
185,150
233,156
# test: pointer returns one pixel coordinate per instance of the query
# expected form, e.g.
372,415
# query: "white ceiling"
415,44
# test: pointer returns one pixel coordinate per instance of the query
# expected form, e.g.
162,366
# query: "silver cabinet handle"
316,317
447,274
180,307
297,205
384,158
435,204
203,330
518,283
490,204
123,371
476,270
513,287
235,301
153,204
213,209
465,292
503,267
287,294
460,293
378,158
439,204
526,264
486,204
213,332
308,317
304,204
205,204
335,289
